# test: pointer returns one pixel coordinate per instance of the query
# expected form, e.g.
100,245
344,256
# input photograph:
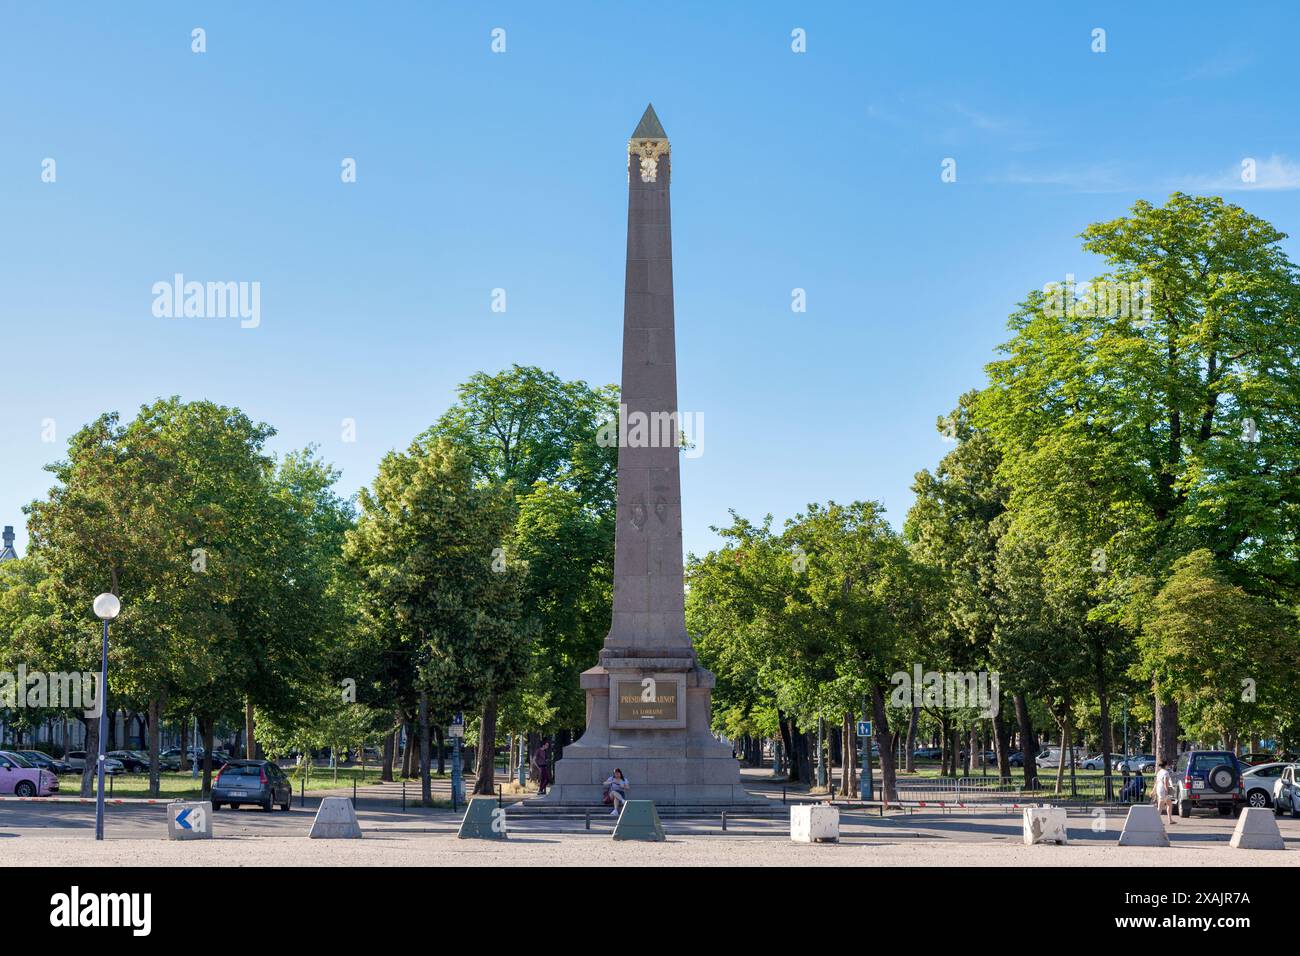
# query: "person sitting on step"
616,791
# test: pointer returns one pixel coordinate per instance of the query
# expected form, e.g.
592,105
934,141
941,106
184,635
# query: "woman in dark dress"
542,766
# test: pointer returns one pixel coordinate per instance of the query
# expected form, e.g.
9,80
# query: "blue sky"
478,170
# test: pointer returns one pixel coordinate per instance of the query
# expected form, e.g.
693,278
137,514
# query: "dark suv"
1209,778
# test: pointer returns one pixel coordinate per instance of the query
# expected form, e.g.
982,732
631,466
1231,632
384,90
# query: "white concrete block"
335,820
189,820
1045,825
814,823
1257,830
1142,827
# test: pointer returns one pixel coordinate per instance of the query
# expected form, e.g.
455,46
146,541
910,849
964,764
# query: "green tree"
536,435
1224,654
1147,434
424,548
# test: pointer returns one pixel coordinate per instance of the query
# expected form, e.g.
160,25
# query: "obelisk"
648,700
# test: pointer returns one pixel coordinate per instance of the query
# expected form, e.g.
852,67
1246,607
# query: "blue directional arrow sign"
182,819
864,728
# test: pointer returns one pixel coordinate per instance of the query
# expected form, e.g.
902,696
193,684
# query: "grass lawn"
178,785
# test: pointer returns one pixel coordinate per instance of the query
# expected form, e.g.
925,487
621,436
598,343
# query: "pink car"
22,778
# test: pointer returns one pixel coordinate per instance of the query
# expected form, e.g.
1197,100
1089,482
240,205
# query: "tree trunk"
409,763
787,745
185,746
386,773
206,727
847,734
1028,742
250,738
485,782
1166,730
1063,722
155,719
944,749
884,743
800,756
426,785
88,772
1107,733
909,758
1002,744
442,749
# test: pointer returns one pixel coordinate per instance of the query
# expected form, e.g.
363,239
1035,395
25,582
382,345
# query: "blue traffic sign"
864,728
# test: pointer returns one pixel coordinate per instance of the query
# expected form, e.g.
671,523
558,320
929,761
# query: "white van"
1051,757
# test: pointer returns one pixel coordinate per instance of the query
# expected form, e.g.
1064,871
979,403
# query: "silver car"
1259,782
77,760
1286,791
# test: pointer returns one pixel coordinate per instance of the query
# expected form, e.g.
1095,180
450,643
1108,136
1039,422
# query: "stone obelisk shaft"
648,700
649,615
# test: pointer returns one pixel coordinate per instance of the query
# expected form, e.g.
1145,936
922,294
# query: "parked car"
1096,762
1051,757
1257,758
1017,759
254,782
1286,791
1261,757
927,753
1143,763
173,755
43,760
77,760
1258,782
1209,778
130,761
22,778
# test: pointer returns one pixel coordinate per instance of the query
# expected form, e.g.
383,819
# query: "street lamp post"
107,607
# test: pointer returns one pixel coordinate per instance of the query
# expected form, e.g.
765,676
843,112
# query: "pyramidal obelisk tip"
649,127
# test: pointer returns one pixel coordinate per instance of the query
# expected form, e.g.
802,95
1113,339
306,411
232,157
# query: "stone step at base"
737,811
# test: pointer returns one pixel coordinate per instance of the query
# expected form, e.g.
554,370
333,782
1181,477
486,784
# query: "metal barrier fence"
977,789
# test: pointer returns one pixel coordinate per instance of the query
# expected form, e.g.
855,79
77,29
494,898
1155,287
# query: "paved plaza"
62,834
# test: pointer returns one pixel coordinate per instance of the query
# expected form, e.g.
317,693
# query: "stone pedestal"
668,756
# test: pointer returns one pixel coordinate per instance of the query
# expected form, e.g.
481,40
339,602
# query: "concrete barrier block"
814,823
1142,827
639,821
1045,825
336,819
189,820
483,820
1257,830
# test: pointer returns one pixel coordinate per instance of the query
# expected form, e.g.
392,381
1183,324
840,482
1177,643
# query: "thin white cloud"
1274,173
1093,178
1220,67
